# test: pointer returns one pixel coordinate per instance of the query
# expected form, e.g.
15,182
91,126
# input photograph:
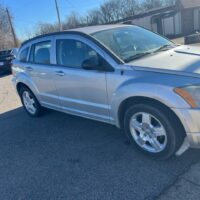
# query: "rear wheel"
152,130
30,102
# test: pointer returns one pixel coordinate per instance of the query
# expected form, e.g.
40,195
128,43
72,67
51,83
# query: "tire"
37,111
158,135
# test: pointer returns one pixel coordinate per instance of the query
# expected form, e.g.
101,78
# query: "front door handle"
60,73
29,69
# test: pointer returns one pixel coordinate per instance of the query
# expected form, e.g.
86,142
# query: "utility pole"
12,29
58,15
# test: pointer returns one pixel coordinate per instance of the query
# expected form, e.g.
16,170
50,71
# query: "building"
180,19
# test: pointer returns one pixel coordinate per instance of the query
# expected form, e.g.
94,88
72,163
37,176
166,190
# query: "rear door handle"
29,69
60,73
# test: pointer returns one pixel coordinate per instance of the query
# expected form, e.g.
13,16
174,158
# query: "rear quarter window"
22,56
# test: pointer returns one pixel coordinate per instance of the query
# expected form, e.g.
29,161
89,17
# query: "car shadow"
59,155
3,74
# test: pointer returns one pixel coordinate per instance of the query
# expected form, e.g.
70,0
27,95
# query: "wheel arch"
149,101
20,85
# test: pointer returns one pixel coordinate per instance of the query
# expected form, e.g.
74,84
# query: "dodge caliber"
123,75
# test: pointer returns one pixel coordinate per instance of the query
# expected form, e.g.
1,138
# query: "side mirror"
96,63
91,63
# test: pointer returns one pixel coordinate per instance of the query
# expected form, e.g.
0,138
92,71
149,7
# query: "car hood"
179,60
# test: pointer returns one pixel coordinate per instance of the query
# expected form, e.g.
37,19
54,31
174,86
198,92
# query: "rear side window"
40,53
72,53
23,55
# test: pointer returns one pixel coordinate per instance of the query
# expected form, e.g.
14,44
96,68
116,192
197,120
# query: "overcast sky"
27,13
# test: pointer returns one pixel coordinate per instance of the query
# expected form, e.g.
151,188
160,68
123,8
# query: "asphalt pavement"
58,156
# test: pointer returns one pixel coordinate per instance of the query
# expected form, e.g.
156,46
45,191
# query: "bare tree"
94,17
113,10
44,28
6,38
108,12
169,2
73,21
129,8
150,4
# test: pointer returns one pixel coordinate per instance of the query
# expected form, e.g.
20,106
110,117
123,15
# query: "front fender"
163,94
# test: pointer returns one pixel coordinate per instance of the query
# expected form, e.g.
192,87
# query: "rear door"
42,72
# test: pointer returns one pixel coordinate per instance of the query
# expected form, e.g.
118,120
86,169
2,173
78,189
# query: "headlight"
191,94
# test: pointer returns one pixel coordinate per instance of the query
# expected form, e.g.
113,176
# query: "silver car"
123,75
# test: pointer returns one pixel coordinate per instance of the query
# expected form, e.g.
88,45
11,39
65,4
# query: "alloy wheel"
148,132
29,102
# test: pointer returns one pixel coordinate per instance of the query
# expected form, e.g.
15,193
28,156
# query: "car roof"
89,30
86,32
93,29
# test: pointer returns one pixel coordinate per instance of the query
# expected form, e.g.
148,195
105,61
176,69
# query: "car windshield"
132,42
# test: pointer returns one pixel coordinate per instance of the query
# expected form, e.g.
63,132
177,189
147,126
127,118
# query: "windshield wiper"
137,56
164,48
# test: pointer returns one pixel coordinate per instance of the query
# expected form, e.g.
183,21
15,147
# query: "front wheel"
152,130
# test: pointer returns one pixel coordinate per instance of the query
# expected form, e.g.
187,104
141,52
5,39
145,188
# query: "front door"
82,92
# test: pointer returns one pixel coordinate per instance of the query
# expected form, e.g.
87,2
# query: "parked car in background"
119,74
6,57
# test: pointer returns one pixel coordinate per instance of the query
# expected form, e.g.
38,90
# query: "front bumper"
190,119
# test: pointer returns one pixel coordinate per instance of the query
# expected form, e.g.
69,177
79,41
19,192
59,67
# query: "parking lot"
58,156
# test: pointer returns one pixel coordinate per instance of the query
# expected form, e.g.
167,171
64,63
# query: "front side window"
40,53
130,41
22,57
72,53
